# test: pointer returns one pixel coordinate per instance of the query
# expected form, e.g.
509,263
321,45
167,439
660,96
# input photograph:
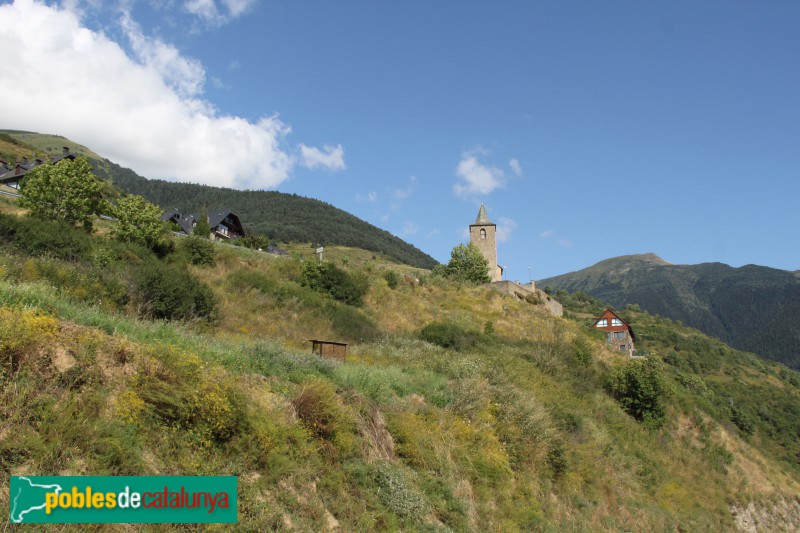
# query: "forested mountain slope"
279,216
754,308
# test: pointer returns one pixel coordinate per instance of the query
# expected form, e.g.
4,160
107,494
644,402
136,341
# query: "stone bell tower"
483,234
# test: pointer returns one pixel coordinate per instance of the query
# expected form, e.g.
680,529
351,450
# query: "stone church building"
483,234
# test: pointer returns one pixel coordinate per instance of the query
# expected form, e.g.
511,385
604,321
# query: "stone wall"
529,291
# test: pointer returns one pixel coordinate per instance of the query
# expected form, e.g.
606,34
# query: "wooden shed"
332,349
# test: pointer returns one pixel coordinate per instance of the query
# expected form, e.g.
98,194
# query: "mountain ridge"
752,307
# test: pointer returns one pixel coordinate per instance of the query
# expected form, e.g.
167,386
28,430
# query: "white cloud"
329,158
371,196
205,9
402,194
209,12
184,75
516,168
565,243
546,234
146,113
237,8
433,233
504,228
478,178
409,228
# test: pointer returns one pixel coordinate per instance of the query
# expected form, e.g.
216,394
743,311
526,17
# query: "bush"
330,279
449,335
320,410
45,238
350,323
641,388
165,292
391,278
199,251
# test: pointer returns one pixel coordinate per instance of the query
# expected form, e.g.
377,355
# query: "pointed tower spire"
483,218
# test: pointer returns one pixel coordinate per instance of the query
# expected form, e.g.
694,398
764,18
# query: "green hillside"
753,308
457,409
281,217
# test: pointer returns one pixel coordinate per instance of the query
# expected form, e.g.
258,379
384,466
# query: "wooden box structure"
332,349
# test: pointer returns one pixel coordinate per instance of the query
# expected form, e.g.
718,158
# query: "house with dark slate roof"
12,176
225,224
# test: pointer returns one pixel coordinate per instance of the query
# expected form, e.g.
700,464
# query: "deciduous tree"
467,264
67,191
139,222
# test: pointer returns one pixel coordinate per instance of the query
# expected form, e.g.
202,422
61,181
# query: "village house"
619,333
225,224
12,176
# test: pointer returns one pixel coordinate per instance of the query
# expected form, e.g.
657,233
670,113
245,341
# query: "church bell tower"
483,234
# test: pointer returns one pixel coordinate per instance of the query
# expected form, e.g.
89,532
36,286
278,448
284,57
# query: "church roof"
483,218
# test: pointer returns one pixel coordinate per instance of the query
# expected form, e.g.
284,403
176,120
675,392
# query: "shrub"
350,323
448,335
22,330
330,279
199,251
641,388
320,410
391,279
45,237
165,292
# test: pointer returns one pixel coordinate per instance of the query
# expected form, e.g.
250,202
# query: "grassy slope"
513,434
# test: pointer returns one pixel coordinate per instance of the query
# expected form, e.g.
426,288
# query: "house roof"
609,313
215,218
483,218
169,214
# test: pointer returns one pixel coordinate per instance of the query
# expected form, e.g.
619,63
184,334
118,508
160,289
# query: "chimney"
65,150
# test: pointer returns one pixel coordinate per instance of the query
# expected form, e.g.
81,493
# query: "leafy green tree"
139,222
467,264
201,228
641,388
67,192
199,251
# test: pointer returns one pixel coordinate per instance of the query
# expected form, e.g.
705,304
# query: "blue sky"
589,129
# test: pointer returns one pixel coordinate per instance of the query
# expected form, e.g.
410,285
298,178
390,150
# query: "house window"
602,323
622,347
483,233
619,335
616,322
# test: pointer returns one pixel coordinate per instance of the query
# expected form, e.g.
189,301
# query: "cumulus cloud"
505,226
565,243
477,178
546,234
329,157
516,168
145,112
